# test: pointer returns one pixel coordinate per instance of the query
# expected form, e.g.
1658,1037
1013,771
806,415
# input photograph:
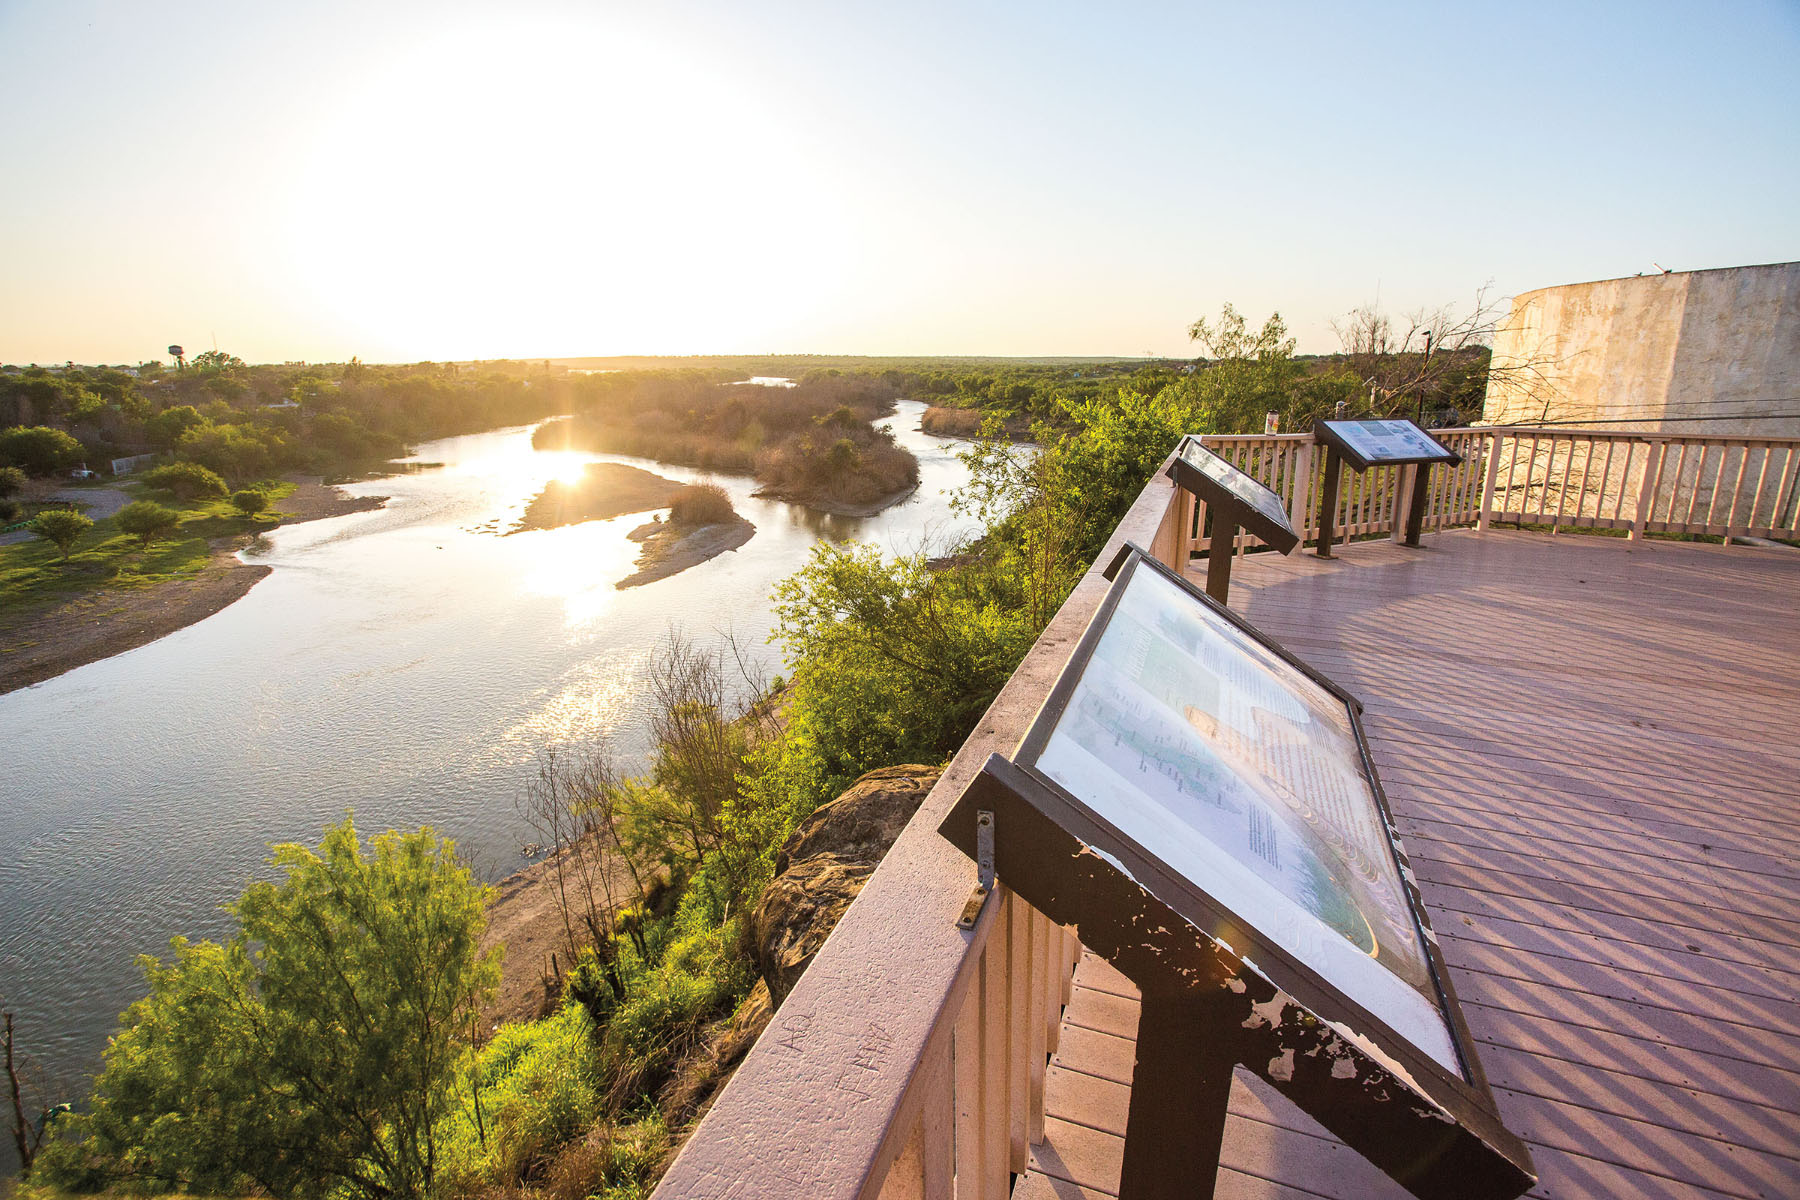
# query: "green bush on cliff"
318,1052
539,1086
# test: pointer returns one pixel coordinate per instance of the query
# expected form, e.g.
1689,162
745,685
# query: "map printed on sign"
1242,774
1388,442
1250,491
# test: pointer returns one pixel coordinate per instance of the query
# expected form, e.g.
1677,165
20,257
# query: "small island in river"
604,491
671,548
702,523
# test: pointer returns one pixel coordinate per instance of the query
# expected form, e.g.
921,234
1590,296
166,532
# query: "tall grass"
699,504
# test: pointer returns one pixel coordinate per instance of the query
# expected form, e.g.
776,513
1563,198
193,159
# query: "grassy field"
33,577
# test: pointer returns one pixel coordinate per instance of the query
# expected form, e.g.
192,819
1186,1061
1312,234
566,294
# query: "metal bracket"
984,870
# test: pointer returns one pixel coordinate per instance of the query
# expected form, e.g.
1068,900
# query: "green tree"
12,482
167,426
316,1053
209,361
186,481
1247,375
61,527
234,451
249,502
38,449
147,520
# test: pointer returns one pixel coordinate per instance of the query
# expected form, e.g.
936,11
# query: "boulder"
824,864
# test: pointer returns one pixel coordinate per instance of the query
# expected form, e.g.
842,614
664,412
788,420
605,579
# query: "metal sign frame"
1234,500
1339,449
1201,966
1328,431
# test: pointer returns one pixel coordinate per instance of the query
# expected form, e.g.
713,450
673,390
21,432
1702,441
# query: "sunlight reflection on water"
406,663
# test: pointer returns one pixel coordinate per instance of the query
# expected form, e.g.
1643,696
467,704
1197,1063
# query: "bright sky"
439,180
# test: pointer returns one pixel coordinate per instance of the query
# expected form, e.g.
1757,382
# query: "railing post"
1493,478
1301,502
1653,465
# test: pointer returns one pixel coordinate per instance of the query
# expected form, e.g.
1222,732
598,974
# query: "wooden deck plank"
1589,745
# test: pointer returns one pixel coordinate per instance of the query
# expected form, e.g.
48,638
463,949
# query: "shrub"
699,977
315,1053
539,1088
12,481
9,511
147,520
951,422
61,527
249,502
701,504
186,481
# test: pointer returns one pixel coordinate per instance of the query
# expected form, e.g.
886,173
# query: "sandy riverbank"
669,549
106,622
526,917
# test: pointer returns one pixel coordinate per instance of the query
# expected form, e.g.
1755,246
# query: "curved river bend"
406,663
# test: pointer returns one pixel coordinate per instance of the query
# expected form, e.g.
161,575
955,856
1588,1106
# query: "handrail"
1646,482
900,1059
1636,435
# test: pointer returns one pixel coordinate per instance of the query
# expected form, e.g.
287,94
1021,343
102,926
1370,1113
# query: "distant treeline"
246,422
1025,391
813,443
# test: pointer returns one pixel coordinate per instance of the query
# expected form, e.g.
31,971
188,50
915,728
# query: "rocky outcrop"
824,865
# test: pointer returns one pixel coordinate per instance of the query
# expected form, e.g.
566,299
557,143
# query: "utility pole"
1424,378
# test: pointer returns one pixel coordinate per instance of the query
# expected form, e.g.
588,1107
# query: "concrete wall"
1688,344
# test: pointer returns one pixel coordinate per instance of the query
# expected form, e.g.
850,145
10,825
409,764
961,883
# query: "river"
406,663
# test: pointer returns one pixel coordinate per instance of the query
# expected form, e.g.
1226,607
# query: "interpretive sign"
1384,443
1390,443
1234,499
1203,806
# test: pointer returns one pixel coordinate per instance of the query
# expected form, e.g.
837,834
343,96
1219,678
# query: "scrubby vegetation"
244,422
321,1051
812,443
185,481
699,504
61,527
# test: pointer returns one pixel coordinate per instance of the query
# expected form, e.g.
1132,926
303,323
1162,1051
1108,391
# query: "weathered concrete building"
1722,345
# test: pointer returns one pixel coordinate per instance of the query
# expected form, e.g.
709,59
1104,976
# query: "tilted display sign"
1213,479
1202,805
1391,443
1384,443
1234,499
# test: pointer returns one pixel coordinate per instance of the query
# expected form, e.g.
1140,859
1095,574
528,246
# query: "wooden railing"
1561,478
1722,486
909,1059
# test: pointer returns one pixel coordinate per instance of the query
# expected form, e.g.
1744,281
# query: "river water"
406,663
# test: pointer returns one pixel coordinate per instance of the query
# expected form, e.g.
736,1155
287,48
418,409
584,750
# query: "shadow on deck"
1590,746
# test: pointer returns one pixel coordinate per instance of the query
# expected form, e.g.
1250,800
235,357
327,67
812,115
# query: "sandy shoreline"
669,549
108,622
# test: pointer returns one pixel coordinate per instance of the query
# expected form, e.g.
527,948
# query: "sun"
506,187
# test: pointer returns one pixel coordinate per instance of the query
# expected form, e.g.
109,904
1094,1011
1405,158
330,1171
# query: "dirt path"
105,622
97,503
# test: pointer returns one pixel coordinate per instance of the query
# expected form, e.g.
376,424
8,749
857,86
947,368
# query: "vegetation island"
381,1025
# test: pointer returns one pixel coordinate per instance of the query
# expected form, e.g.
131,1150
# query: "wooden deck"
1592,748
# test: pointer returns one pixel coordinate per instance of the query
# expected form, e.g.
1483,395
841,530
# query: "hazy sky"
432,181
